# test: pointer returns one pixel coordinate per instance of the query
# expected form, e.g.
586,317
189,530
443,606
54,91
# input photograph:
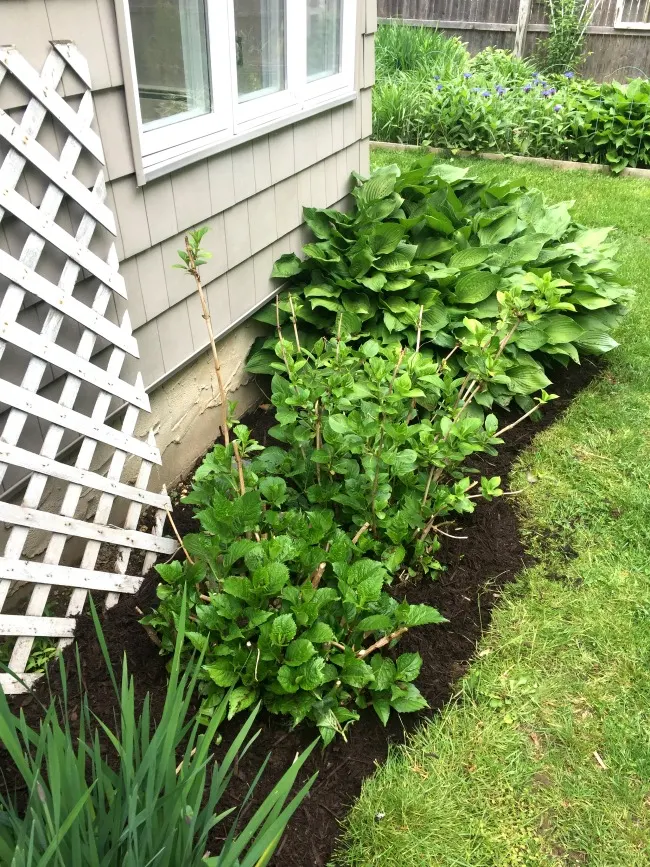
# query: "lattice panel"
63,347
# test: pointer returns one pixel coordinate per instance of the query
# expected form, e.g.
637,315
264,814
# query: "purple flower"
486,93
467,74
500,89
528,88
557,107
546,93
436,78
552,91
439,87
535,74
569,75
545,84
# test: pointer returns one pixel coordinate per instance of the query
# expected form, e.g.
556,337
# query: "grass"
544,759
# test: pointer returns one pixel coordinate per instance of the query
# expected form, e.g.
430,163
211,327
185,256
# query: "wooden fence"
618,42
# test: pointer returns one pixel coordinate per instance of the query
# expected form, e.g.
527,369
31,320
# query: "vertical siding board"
219,304
337,130
368,60
151,360
151,271
132,216
287,206
371,16
331,180
161,213
78,20
112,120
241,289
318,186
243,172
129,270
304,143
222,185
108,22
304,190
198,330
263,225
215,243
282,154
238,242
323,136
366,113
263,265
349,123
175,335
262,163
191,188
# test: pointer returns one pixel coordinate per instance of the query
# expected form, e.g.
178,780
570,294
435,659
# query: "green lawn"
544,759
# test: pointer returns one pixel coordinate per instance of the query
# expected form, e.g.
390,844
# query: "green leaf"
560,329
320,633
222,672
364,569
246,512
421,615
311,674
375,282
375,623
393,262
499,230
288,265
476,286
287,678
323,251
283,630
380,185
409,700
240,699
339,423
299,651
525,379
408,666
385,237
469,258
382,709
439,223
384,670
274,489
357,673
596,341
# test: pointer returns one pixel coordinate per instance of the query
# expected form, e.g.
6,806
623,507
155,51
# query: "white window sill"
164,162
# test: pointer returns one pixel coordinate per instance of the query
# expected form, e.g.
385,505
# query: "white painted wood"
60,417
47,410
53,102
52,232
38,627
71,363
39,520
35,153
17,457
64,576
64,302
10,686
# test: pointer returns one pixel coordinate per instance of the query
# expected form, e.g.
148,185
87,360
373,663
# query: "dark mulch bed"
477,568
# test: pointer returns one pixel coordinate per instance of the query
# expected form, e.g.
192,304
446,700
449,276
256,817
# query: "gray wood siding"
251,197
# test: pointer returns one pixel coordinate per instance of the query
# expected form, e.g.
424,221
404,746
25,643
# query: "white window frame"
163,148
620,24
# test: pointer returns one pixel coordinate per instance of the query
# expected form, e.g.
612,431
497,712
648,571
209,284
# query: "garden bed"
476,569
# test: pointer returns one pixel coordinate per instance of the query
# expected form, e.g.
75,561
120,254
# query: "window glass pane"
171,58
323,38
260,46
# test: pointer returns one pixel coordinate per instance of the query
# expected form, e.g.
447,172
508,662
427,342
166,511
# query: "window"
209,72
632,14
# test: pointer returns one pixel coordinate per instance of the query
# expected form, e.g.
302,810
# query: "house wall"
251,198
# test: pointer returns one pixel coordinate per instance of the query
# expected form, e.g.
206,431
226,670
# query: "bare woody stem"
318,574
518,421
293,320
178,537
382,642
419,335
360,532
240,468
208,324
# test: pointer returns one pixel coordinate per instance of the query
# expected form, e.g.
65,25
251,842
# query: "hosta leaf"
299,651
526,379
408,666
554,220
530,339
434,317
318,222
476,286
283,630
393,262
439,223
322,290
322,251
588,300
596,341
384,670
288,265
385,237
430,248
499,230
361,262
374,282
380,185
469,258
560,329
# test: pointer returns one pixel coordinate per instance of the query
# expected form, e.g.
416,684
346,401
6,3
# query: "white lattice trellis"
78,371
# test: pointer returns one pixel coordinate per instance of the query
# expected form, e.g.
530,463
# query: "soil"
477,568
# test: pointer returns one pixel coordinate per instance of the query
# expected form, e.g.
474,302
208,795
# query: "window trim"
620,24
160,151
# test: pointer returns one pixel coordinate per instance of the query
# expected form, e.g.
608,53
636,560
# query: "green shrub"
133,804
282,601
494,66
462,251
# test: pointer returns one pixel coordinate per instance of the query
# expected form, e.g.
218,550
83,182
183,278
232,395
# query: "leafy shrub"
282,601
497,65
564,46
420,50
435,239
139,807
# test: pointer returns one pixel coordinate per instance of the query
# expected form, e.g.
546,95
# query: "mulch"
476,570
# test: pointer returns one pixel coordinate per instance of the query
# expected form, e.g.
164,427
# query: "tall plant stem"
380,447
240,468
318,437
293,320
205,311
419,334
382,642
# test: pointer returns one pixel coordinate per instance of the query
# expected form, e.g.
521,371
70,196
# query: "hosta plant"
437,240
282,602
